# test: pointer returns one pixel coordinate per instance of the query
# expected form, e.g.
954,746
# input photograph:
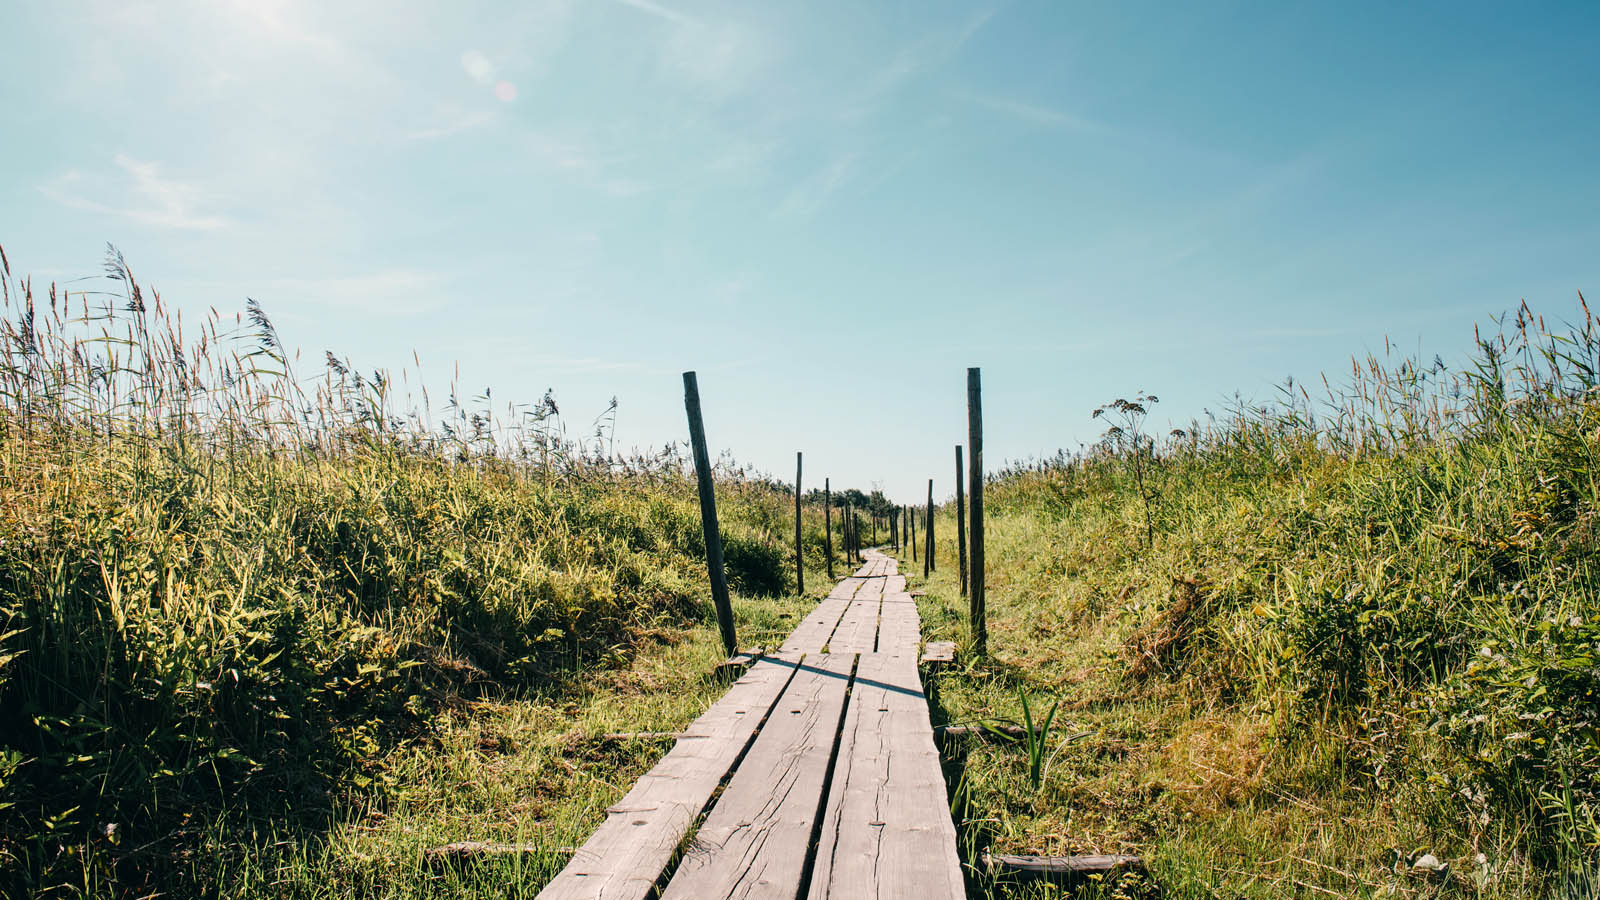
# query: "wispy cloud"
395,292
452,126
656,9
808,197
581,161
926,53
1036,115
723,55
145,196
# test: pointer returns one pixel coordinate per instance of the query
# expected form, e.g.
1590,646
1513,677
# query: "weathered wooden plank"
812,634
847,588
887,831
858,629
814,630
899,626
754,842
1063,870
626,855
939,653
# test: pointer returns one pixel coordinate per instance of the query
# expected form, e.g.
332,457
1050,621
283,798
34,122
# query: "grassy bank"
269,632
1298,646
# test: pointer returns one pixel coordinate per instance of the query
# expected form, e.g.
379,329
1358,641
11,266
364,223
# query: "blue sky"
829,210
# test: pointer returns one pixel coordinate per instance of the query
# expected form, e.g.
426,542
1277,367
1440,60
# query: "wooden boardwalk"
830,782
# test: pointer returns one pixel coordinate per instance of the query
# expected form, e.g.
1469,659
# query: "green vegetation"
263,635
1355,631
266,634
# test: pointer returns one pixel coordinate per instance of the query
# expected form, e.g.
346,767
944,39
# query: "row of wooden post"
971,564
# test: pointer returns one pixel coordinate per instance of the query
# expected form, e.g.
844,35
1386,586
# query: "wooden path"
830,785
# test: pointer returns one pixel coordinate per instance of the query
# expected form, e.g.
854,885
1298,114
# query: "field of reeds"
268,628
1345,644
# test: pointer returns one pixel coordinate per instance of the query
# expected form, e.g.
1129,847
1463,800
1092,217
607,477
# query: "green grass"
266,632
272,633
1361,627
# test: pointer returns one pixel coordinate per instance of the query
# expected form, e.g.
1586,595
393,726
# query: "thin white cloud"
561,153
808,197
585,164
1036,115
142,195
724,55
927,53
452,126
626,187
656,9
393,292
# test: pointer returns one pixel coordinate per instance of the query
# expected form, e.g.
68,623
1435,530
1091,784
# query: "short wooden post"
927,534
980,628
827,519
708,514
799,553
961,522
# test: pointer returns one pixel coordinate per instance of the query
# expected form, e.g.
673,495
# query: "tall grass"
1399,572
228,583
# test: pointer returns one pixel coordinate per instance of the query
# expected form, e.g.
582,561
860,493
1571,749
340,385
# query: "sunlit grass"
1365,627
268,629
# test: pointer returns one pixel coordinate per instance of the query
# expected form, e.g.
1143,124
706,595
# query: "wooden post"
980,628
844,533
961,522
799,554
708,514
827,519
912,518
927,534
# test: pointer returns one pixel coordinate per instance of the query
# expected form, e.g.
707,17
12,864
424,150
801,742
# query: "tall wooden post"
961,522
927,534
827,519
980,628
912,519
708,514
799,553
